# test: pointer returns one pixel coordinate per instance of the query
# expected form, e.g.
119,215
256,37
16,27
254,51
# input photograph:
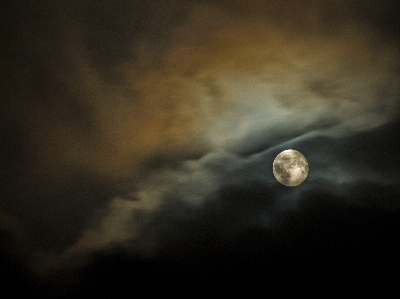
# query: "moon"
290,168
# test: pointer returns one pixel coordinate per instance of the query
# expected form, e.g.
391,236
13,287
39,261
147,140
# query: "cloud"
211,91
277,82
137,110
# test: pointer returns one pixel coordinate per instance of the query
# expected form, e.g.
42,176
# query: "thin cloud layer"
123,114
243,84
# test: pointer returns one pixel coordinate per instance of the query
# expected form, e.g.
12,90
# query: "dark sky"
137,140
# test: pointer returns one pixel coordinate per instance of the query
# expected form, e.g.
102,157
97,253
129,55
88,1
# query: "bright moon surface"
290,168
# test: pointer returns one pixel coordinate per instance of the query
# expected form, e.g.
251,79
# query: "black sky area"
137,140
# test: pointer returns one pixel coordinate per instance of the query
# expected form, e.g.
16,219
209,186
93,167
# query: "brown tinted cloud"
100,91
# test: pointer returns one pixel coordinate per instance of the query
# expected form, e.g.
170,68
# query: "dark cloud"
325,242
375,149
141,135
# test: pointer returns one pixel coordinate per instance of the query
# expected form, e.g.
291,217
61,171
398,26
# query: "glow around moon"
290,168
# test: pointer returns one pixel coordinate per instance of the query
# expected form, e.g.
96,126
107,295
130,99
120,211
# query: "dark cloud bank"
137,141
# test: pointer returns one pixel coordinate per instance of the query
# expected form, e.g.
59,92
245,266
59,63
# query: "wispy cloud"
191,99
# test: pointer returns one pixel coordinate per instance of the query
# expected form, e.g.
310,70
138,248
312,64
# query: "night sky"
137,140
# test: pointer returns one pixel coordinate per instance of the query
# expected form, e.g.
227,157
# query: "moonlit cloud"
140,109
277,82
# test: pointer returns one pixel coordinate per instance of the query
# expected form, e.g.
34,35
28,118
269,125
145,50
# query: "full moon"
290,168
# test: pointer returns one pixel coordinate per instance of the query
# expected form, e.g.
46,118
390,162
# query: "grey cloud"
172,203
99,92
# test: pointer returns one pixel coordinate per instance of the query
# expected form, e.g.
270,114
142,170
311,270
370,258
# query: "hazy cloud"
116,116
